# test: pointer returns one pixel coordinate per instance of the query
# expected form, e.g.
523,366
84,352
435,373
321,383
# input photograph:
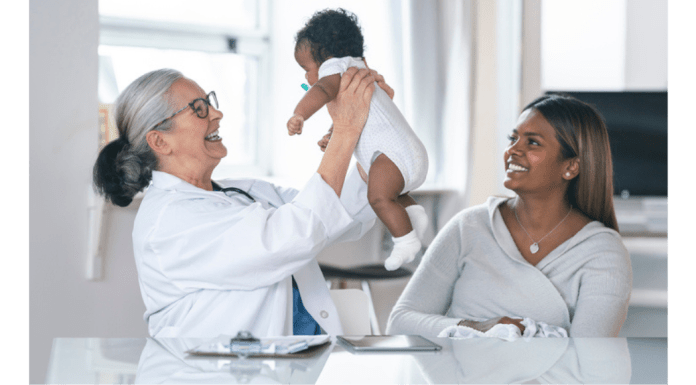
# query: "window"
221,44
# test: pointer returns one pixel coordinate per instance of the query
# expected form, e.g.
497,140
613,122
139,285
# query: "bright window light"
220,44
229,75
218,13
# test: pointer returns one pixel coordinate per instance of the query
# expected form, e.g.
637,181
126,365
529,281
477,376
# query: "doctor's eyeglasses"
199,106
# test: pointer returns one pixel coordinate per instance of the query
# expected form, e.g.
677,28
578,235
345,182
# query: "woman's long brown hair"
582,133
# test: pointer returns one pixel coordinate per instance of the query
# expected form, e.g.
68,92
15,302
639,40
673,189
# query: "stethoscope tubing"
225,190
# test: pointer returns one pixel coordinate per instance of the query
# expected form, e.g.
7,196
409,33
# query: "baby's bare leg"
416,213
383,189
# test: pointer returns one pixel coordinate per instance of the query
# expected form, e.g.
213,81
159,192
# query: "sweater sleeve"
427,297
605,290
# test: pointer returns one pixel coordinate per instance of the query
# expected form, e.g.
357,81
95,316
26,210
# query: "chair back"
353,311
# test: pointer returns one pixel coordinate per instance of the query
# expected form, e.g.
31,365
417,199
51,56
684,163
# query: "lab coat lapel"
170,182
317,299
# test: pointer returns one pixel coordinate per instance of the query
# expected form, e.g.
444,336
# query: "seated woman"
552,253
220,257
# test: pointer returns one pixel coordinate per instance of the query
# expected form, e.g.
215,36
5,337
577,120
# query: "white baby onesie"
386,131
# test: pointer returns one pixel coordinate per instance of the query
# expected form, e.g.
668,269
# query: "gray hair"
124,167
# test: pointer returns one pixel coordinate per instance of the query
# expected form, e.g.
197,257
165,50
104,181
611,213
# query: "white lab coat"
211,264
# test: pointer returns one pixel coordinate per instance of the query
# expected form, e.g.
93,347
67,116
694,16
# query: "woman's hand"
349,113
352,104
484,326
380,82
383,84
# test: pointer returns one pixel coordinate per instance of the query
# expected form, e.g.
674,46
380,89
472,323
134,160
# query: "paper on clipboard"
270,347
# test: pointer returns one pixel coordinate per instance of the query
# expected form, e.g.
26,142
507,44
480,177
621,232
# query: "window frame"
255,43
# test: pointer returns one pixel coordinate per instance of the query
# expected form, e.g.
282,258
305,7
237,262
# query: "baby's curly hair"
331,33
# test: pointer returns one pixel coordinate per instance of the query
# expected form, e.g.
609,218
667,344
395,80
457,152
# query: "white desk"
484,360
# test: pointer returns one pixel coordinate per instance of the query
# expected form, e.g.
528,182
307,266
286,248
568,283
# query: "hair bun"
122,142
121,200
107,177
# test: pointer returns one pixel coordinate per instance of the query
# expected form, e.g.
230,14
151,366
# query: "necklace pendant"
534,248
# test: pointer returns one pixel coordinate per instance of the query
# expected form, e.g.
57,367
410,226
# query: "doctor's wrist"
346,136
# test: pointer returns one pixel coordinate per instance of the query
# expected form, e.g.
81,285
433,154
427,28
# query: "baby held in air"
388,151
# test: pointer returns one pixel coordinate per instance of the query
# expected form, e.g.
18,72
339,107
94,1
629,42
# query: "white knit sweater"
473,270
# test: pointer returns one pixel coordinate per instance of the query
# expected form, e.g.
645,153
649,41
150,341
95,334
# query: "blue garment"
302,321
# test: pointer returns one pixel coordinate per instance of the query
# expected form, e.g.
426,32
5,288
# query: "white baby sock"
405,249
419,219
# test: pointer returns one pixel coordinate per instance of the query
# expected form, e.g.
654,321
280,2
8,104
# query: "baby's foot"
419,219
405,250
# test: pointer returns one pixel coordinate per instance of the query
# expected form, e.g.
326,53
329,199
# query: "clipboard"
274,347
393,343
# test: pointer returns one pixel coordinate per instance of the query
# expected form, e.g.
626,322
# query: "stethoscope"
228,190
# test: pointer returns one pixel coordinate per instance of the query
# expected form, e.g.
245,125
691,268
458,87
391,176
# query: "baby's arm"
323,91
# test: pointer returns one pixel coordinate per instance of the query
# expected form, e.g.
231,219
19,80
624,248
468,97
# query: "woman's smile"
214,136
513,167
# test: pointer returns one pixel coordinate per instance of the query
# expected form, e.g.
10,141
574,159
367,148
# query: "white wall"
486,160
646,45
583,45
63,121
622,47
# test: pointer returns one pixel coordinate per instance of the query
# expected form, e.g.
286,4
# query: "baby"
388,151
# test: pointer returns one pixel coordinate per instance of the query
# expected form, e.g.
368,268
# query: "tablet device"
396,343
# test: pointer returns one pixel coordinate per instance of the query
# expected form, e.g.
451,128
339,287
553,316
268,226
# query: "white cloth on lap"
507,332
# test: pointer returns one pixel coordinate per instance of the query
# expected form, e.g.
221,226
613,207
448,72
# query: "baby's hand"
325,140
295,125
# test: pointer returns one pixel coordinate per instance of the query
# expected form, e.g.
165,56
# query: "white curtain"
438,80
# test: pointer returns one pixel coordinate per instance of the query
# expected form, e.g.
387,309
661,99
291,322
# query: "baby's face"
304,58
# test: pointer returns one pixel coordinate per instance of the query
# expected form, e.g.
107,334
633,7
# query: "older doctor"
220,257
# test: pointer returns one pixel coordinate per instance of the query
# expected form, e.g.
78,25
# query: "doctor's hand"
484,326
351,106
383,84
380,81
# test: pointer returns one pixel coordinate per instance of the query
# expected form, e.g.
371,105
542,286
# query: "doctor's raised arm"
217,257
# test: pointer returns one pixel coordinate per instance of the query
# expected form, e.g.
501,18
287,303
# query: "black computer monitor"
637,126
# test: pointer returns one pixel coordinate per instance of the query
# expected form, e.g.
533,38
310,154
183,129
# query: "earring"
567,174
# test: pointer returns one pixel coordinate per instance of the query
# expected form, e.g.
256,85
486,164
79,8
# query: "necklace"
535,245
